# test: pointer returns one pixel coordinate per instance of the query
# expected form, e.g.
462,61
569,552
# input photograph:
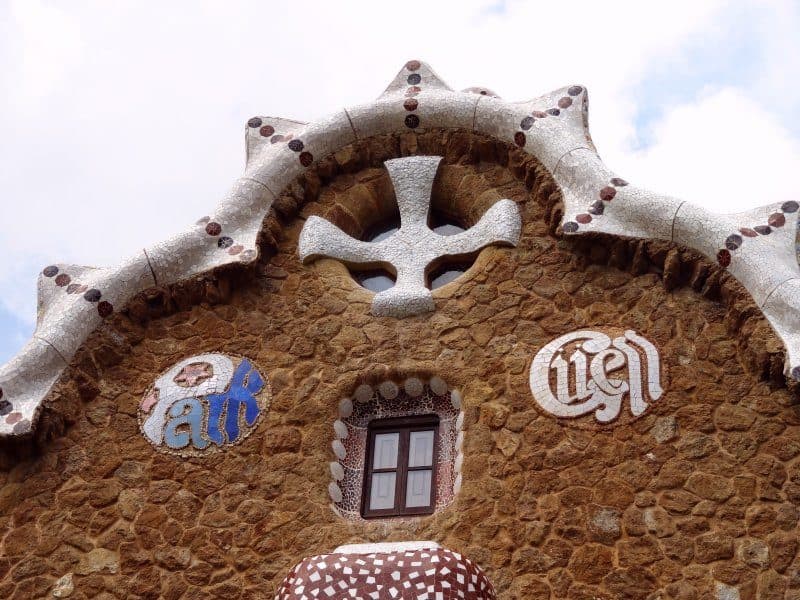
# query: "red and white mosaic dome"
419,570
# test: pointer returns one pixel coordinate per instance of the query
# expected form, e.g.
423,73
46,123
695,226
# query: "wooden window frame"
404,426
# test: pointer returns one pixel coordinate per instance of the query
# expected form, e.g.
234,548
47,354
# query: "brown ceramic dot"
519,139
50,271
608,193
267,130
527,123
724,258
583,218
306,158
763,229
539,114
776,220
733,241
105,309
413,90
213,228
747,232
565,102
618,181
410,104
412,121
92,295
62,280
790,206
234,250
570,227
254,122
413,65
574,90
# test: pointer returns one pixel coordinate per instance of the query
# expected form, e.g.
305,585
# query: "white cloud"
725,151
122,122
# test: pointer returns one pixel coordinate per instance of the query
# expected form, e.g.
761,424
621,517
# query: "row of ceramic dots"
414,387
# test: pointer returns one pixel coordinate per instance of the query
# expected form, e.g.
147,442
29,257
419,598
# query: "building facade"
429,347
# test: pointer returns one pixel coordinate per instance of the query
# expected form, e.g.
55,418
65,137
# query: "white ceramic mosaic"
203,403
410,250
757,246
588,371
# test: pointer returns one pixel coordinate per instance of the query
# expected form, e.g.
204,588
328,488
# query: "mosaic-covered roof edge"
756,246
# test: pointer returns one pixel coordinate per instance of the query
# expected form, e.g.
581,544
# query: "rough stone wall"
698,497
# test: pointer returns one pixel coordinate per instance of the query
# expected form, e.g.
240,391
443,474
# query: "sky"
122,122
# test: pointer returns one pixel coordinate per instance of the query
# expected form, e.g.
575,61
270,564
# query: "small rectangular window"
400,478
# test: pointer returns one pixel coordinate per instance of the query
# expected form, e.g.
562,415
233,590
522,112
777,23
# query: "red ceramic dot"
608,193
306,158
775,220
410,104
747,232
724,258
13,418
413,65
213,228
584,218
565,102
234,250
413,90
519,139
105,309
62,280
267,130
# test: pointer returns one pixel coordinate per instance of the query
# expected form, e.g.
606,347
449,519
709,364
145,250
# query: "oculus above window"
399,478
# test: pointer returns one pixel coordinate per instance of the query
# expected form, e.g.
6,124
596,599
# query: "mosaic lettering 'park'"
428,347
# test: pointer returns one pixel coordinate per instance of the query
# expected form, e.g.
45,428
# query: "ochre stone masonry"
697,498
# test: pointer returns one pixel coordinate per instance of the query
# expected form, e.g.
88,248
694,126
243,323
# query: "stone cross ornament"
410,250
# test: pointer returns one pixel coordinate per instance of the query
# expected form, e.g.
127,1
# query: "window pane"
385,456
382,493
420,449
418,489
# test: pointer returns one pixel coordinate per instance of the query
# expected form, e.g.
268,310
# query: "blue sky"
122,122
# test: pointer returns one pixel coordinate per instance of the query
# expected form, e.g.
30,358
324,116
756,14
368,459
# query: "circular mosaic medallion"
203,404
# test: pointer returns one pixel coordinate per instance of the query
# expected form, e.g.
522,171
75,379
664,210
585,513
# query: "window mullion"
402,470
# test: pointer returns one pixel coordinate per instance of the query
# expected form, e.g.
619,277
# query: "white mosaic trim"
389,390
386,547
554,128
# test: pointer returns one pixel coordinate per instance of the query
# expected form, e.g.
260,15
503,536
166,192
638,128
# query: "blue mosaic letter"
188,411
246,382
